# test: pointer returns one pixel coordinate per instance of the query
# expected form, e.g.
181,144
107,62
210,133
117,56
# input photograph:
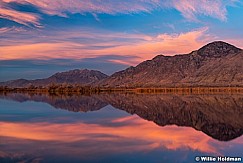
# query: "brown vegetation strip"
94,90
192,90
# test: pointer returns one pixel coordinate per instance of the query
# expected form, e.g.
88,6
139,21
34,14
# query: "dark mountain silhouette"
219,116
215,64
77,76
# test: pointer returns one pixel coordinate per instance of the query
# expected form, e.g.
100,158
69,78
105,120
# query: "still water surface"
119,127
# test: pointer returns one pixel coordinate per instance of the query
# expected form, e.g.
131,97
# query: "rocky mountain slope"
215,64
77,76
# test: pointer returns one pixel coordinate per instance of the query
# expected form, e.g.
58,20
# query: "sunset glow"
122,33
169,137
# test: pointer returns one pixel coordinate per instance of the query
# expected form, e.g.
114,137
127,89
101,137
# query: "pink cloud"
165,44
19,17
190,9
59,7
142,46
5,29
149,135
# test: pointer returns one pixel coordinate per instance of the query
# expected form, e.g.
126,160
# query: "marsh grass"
77,89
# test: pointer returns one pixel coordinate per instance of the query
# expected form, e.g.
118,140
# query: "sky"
42,37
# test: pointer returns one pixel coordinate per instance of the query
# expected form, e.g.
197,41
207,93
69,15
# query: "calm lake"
119,127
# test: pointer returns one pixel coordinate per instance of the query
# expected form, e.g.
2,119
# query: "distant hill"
215,64
77,76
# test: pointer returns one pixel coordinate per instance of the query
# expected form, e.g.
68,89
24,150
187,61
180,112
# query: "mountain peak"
218,49
81,76
216,64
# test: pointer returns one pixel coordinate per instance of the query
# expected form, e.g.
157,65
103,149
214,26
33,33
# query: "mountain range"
81,77
215,64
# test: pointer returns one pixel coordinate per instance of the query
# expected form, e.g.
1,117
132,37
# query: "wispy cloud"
102,43
61,7
23,18
190,9
7,30
147,135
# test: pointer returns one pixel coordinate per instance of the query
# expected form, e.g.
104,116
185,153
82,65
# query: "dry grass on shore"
59,89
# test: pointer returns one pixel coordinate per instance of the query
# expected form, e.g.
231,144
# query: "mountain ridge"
216,64
76,76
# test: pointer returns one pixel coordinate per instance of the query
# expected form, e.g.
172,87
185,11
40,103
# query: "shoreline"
98,90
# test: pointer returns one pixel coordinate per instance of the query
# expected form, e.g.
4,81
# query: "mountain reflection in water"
218,116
